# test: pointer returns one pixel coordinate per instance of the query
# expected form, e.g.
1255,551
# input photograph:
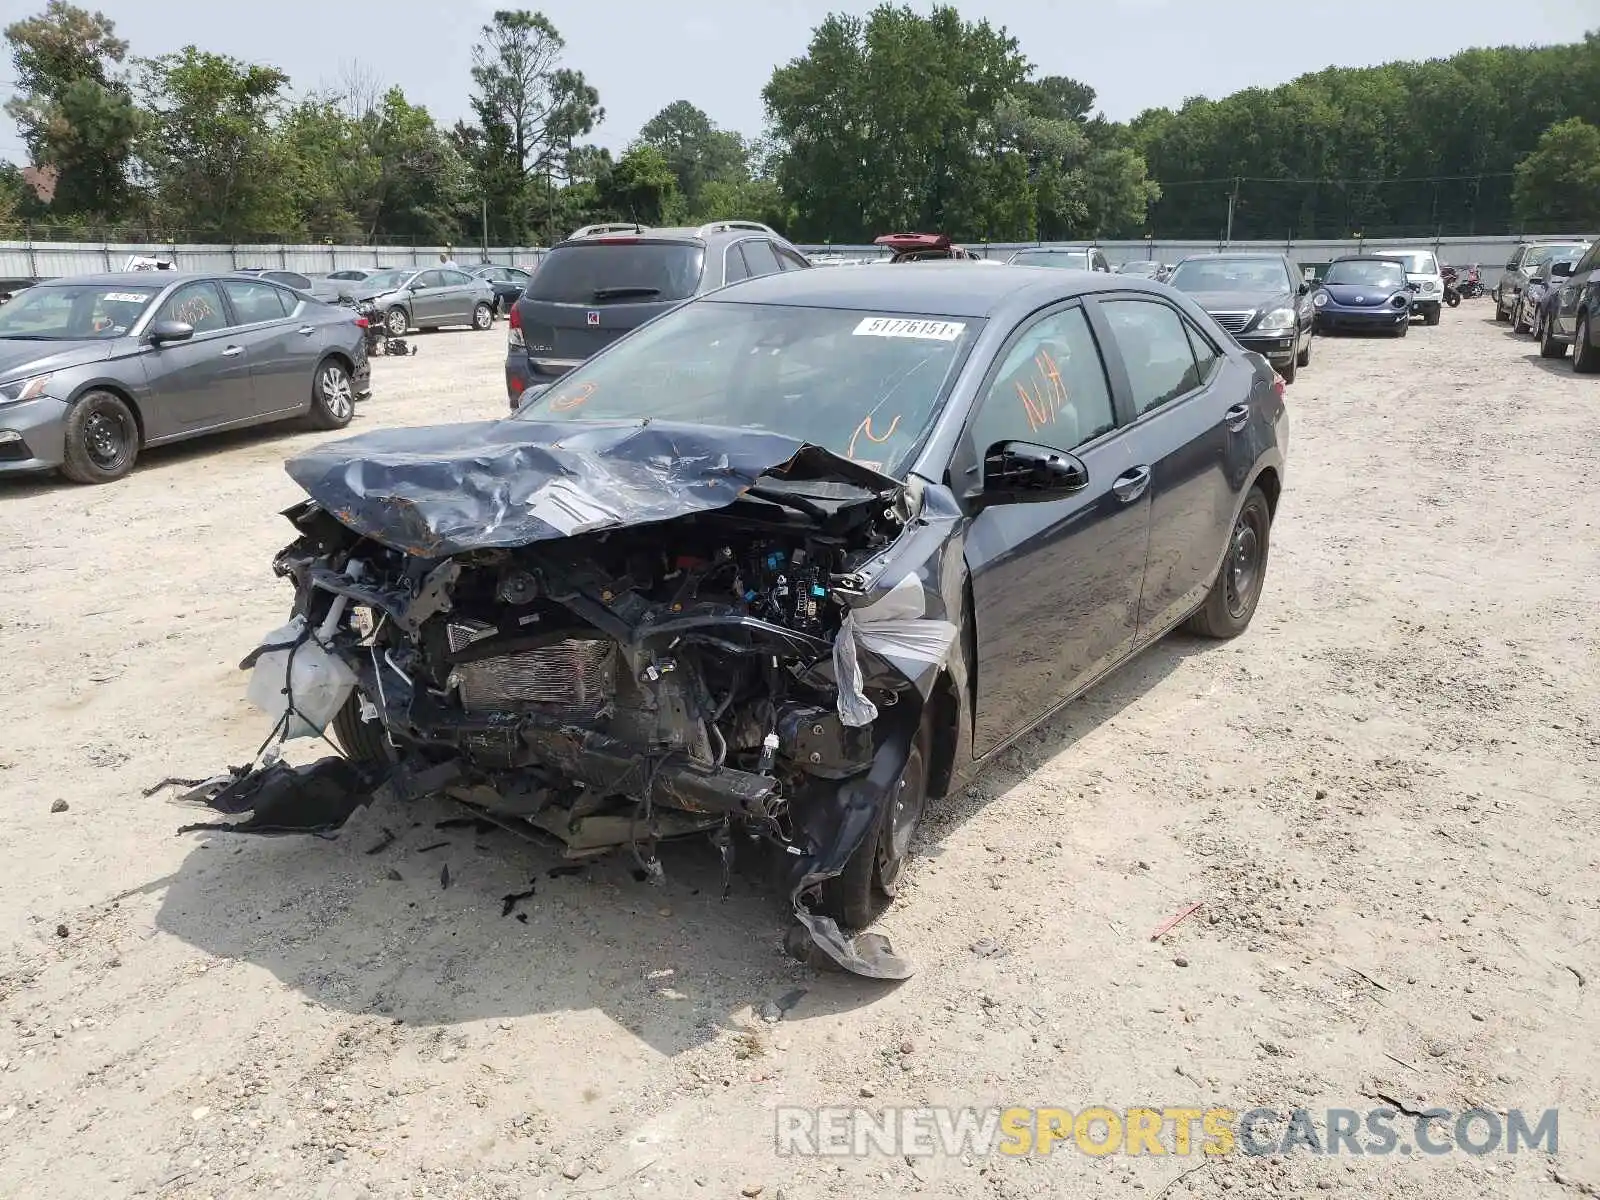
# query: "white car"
1422,269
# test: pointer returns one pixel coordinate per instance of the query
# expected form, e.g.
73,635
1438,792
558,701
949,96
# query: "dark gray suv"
605,280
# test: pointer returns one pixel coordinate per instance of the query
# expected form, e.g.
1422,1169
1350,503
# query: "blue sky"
719,53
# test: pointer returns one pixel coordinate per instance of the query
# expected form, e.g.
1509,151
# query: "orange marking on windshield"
865,429
577,400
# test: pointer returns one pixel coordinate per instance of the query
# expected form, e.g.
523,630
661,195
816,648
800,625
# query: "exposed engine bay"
712,673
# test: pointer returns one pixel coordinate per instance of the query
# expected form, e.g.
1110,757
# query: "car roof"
1373,257
1264,255
944,288
138,278
1052,250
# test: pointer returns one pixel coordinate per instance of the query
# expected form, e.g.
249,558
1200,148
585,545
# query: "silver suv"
1523,264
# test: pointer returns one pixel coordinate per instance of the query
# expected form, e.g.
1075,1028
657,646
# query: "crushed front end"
738,669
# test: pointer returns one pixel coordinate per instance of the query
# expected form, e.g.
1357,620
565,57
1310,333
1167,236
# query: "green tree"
695,150
529,112
212,153
640,187
74,112
1558,185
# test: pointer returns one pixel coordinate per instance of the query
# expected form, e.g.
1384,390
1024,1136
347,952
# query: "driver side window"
196,304
1051,389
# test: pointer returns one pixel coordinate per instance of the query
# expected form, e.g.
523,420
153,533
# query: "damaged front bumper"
644,647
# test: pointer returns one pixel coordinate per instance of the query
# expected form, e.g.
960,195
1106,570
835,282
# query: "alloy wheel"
338,397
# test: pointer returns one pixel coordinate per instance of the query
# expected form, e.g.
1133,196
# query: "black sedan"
507,283
1262,299
792,561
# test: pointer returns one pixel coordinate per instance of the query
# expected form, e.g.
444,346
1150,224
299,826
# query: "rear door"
459,296
1585,277
282,350
1055,584
1187,397
588,293
429,305
204,381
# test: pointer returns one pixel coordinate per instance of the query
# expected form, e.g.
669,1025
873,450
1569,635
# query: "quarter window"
733,260
1155,350
758,253
1051,389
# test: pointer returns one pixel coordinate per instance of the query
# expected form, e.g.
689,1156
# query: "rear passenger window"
255,302
1051,389
790,261
1155,350
1206,356
760,258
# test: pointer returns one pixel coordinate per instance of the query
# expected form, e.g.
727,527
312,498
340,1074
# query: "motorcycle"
1452,294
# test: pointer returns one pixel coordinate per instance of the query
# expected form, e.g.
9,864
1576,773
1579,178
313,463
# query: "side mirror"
1561,268
1512,265
1305,286
163,332
1021,472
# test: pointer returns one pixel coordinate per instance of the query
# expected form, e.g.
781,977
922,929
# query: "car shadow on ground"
426,925
1556,366
177,454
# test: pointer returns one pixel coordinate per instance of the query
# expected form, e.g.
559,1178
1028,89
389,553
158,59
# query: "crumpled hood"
360,293
1360,295
445,489
19,356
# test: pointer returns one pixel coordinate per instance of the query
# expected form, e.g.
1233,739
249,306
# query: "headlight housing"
1278,318
1320,299
23,389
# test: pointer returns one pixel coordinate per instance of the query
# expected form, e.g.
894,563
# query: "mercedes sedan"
789,563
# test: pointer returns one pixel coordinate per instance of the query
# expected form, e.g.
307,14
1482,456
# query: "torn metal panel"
442,490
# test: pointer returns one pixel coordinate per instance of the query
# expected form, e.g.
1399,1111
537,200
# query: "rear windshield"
1078,259
608,272
1416,262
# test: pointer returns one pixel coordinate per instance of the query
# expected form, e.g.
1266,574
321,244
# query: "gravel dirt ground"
1384,795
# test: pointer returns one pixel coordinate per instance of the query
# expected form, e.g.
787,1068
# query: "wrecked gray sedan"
790,561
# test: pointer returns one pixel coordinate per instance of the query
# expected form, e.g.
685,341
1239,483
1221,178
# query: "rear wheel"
1585,356
102,439
1549,347
482,317
1234,594
333,396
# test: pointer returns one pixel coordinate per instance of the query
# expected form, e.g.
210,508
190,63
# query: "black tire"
362,741
1236,591
1303,359
333,396
856,896
1403,328
1430,315
1500,314
1453,299
1585,355
1290,369
482,317
1548,346
1517,323
102,439
396,322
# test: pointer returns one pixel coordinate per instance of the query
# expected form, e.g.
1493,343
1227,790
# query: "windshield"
387,280
1416,262
1051,258
864,385
1230,275
74,312
1539,255
1367,273
614,271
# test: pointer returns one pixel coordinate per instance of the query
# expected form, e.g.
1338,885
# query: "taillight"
514,328
1279,388
361,322
516,317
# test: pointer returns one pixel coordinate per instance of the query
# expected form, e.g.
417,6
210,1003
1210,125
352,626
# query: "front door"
282,350
1055,583
204,381
1183,431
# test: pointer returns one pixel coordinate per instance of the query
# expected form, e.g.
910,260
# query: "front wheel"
1430,315
1303,359
1403,328
854,897
102,439
1453,299
482,317
333,397
1549,347
1290,369
1236,591
396,321
1585,356
363,741
1518,325
1500,314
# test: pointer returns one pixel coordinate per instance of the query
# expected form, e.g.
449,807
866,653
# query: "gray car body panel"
183,389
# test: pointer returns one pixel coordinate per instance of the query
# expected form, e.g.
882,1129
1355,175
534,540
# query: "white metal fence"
45,260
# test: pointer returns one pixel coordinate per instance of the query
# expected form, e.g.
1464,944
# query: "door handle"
306,330
233,351
1237,417
1130,485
